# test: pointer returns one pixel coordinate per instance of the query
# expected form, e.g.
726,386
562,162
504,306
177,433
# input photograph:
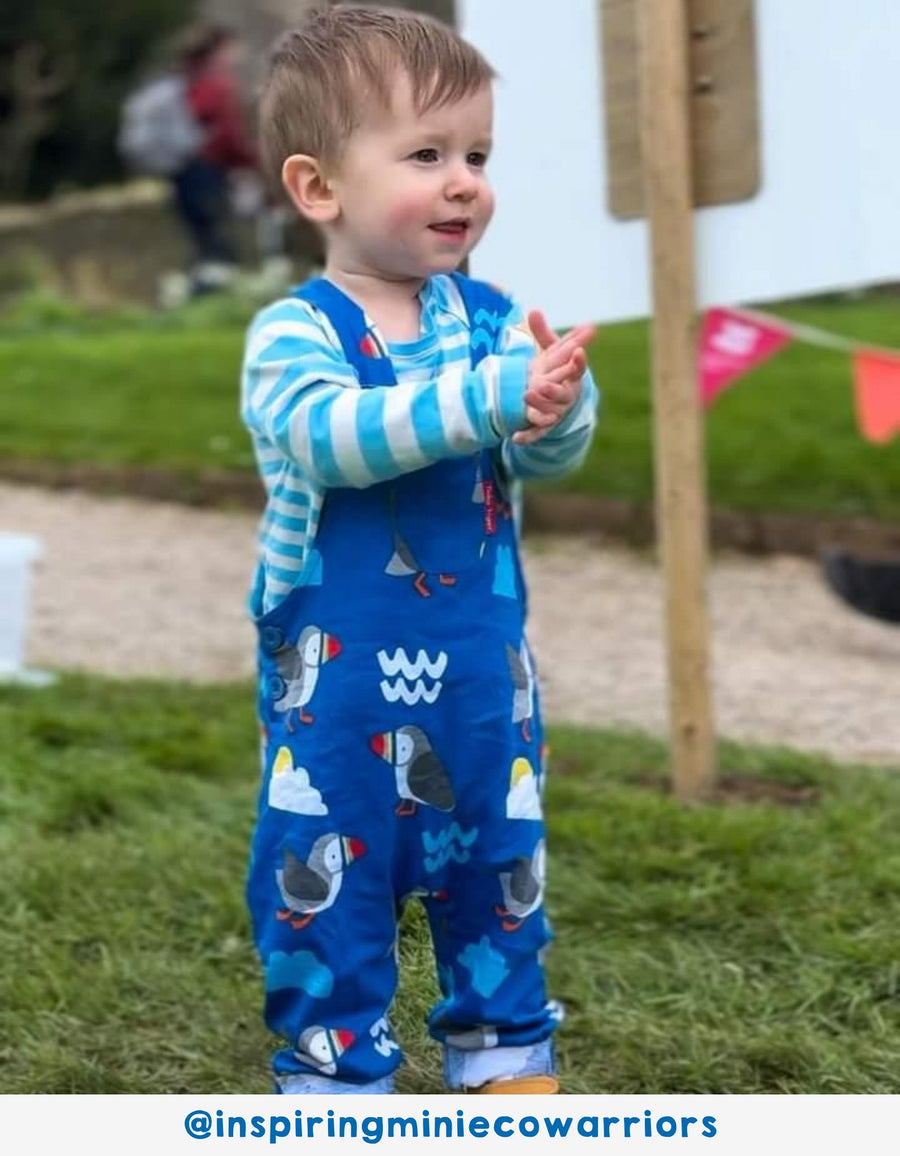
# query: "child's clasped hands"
554,377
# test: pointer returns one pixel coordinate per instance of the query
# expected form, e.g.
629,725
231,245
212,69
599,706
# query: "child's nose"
462,184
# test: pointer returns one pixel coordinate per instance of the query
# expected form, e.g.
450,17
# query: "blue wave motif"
450,843
447,835
490,317
485,326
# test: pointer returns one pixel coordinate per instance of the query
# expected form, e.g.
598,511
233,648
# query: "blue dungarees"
402,757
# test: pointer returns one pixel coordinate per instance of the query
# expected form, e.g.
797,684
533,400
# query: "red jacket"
214,99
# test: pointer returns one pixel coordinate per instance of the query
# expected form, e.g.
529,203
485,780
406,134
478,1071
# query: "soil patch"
731,789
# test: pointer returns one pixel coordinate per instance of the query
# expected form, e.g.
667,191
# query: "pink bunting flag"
877,380
731,344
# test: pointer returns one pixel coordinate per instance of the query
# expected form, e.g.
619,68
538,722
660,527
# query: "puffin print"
403,564
523,889
522,672
423,893
369,346
310,887
421,777
321,1048
478,491
298,671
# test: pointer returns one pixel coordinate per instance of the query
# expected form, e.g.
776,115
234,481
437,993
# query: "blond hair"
340,62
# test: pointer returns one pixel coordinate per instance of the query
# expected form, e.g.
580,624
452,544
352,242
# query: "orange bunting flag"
731,344
877,380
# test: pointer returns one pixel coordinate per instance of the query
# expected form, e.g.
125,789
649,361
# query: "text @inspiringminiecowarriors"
372,1129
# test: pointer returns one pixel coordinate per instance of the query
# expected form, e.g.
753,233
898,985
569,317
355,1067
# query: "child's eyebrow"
422,135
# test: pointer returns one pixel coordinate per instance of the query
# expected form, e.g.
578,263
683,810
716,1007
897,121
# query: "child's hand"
554,378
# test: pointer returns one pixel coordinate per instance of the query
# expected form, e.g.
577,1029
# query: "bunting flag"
731,344
734,341
877,381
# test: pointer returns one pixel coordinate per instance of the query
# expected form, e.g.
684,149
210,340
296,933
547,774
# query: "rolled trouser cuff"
470,1069
300,1084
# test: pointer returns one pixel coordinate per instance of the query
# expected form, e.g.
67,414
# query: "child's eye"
428,156
477,160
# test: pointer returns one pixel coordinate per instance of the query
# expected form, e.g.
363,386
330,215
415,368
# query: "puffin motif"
423,893
321,1048
522,672
478,490
421,777
310,887
369,346
403,564
298,671
523,888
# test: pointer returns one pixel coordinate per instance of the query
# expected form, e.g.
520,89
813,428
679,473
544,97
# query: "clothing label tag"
490,509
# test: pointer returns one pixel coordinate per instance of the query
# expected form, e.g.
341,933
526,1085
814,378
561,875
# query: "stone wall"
111,245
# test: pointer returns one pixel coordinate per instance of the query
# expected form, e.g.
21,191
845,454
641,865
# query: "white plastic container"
17,553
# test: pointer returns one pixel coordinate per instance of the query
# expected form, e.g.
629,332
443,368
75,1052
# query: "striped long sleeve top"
313,427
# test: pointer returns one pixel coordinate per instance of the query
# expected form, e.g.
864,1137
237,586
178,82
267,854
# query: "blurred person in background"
209,59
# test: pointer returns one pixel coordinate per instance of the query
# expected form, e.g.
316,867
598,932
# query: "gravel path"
133,588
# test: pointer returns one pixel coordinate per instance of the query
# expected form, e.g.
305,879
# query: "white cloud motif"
290,788
523,800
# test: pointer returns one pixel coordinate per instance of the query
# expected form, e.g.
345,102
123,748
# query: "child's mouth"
456,228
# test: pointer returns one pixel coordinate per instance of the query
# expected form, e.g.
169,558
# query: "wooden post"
681,513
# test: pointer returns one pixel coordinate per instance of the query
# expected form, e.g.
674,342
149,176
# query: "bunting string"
810,335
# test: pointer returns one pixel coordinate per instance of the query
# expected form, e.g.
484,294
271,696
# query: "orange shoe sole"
523,1086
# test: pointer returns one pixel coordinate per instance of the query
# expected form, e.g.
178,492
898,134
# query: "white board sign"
828,212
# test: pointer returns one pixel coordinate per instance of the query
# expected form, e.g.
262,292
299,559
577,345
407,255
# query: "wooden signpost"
681,117
722,100
678,441
680,102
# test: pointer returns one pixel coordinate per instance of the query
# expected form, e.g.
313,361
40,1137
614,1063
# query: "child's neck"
393,305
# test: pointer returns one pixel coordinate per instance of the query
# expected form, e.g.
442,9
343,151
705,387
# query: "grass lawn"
737,948
158,394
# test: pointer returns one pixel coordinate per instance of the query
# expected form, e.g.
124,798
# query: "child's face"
412,191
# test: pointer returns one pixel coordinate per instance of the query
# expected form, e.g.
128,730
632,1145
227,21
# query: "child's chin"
446,264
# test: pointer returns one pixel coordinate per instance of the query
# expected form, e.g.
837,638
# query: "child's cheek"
407,211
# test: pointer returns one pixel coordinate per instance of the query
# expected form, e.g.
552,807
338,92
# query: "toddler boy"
392,404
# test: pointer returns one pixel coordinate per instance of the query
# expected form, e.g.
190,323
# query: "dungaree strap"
487,309
349,323
485,306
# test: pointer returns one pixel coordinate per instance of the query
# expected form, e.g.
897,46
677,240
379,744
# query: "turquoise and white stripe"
313,427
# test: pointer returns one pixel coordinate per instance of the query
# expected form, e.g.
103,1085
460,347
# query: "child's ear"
306,185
